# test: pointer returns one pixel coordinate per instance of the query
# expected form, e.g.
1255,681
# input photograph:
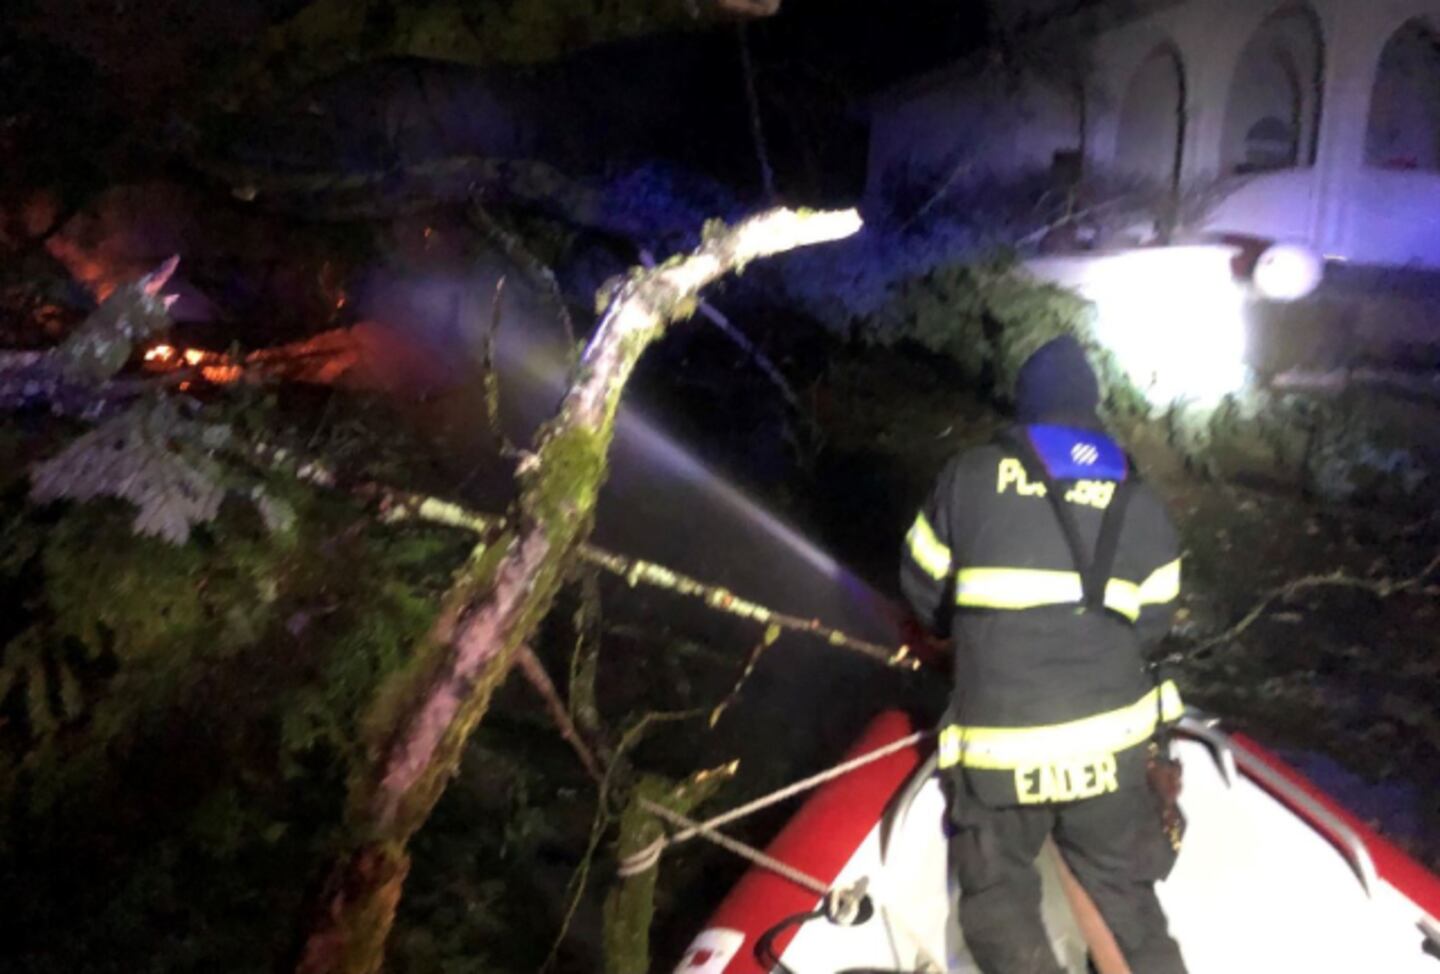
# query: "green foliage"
330,34
177,721
481,897
153,457
1366,446
989,317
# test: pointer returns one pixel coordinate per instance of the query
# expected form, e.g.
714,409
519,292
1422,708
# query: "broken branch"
1380,587
423,721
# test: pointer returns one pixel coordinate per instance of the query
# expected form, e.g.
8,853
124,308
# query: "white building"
1330,108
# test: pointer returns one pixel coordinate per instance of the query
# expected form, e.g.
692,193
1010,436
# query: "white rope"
646,858
741,849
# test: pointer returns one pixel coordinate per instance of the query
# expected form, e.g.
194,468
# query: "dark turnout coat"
1053,701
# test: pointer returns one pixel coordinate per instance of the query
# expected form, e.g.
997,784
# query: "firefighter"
1053,569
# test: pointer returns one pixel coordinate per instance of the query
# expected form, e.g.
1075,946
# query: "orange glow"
221,375
326,358
213,367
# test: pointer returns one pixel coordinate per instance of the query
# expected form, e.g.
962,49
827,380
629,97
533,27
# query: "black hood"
1057,385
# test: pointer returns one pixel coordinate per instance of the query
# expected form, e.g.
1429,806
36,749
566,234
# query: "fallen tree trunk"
421,721
421,186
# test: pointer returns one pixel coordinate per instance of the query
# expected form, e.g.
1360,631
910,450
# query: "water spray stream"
661,503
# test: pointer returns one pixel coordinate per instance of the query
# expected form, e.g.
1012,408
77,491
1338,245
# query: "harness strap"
1094,571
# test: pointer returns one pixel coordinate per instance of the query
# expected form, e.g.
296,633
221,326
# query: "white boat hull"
1273,877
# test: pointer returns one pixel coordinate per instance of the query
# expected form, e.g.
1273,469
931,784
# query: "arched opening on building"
1151,140
1272,120
1404,128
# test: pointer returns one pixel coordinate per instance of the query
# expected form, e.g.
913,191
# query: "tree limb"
742,341
344,196
422,723
538,271
534,672
757,124
1380,587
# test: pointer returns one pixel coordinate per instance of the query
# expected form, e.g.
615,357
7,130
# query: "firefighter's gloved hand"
932,651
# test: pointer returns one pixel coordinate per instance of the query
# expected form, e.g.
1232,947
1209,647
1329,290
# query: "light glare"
1288,272
1173,317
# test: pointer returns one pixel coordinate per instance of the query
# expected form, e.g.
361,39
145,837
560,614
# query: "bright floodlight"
1288,272
1173,317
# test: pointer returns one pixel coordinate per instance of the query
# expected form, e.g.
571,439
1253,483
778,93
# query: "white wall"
1271,206
1148,119
1336,202
1395,217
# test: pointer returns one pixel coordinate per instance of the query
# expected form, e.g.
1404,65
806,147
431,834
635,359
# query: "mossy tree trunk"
421,721
630,905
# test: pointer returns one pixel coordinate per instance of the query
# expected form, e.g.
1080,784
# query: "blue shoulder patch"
1078,454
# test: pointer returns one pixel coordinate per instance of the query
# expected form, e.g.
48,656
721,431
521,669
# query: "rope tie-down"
843,905
647,858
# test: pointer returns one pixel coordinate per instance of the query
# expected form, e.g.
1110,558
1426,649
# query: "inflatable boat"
1274,876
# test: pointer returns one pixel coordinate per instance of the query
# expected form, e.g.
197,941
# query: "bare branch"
534,672
766,641
538,271
762,361
1380,587
491,378
757,124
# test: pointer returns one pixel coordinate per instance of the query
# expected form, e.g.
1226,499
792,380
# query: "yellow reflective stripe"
1015,588
1123,597
927,550
1008,748
1028,588
1162,586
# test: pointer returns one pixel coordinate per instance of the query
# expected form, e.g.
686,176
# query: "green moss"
559,496
629,907
685,310
422,797
399,692
566,480
713,230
